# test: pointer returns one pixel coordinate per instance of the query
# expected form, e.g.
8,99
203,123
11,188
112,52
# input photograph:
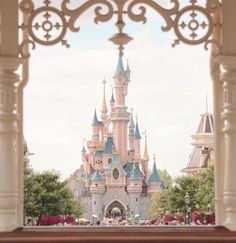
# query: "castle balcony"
121,116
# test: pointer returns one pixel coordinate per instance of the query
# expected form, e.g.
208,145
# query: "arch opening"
116,210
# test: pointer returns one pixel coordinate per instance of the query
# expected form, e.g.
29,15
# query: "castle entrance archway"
115,209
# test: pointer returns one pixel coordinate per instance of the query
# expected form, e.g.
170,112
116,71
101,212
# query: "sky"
167,91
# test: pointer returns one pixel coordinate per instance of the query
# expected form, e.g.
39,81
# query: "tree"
200,189
45,194
159,204
176,195
165,177
205,195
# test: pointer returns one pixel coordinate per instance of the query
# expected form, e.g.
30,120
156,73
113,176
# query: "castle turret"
112,102
135,189
119,116
97,126
145,158
104,105
154,181
127,71
131,133
137,138
97,190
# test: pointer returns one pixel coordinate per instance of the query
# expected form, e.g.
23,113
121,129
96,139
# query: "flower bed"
48,220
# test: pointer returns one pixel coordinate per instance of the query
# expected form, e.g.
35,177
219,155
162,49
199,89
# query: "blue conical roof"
96,176
136,173
112,100
109,145
154,177
120,67
95,121
134,176
83,150
127,68
137,133
131,123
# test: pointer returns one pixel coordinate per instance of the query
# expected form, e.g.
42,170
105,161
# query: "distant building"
113,179
203,142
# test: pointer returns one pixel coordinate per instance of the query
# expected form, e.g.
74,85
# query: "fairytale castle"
114,177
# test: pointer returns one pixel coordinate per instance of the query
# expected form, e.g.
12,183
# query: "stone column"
9,63
218,122
228,77
8,152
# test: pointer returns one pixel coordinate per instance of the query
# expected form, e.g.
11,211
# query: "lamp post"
187,201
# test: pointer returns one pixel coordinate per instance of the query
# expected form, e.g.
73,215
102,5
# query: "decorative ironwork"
48,25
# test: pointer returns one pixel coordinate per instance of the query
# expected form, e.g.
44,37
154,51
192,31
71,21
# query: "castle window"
94,202
136,199
109,161
115,173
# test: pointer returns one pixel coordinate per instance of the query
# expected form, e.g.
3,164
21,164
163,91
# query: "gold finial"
145,155
104,105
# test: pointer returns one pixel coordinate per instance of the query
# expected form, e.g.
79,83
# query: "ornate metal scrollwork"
47,25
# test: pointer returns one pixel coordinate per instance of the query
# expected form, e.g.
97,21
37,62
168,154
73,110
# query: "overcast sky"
167,90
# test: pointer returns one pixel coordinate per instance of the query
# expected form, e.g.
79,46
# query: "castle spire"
127,67
120,67
83,149
137,135
154,177
145,155
127,71
95,118
131,123
104,105
112,100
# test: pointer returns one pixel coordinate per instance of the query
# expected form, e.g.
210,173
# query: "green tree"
176,194
205,195
200,189
165,177
45,194
159,204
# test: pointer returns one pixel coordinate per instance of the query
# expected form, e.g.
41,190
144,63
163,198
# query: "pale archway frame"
68,17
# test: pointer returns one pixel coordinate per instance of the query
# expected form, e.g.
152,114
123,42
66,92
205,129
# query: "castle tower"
137,138
119,116
135,189
131,133
97,190
115,174
154,181
104,109
203,142
97,127
145,158
112,102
